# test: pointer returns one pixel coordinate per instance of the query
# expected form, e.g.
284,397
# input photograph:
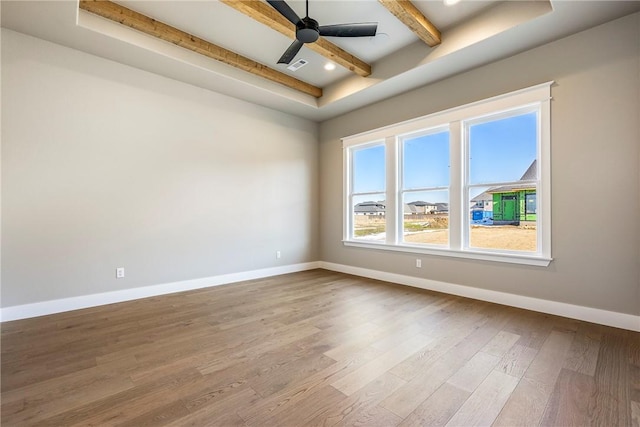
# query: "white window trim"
348,165
539,95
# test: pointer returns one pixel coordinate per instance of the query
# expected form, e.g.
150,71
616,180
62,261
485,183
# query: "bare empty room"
291,213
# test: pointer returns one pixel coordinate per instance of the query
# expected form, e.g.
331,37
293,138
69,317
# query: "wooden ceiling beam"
267,15
410,16
165,32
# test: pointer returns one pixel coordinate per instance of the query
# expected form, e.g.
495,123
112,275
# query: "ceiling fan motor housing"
307,30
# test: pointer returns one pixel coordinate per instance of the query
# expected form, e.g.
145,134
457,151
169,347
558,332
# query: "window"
425,188
367,193
502,161
530,203
472,182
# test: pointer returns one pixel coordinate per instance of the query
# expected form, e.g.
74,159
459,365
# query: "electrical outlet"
418,263
119,272
278,255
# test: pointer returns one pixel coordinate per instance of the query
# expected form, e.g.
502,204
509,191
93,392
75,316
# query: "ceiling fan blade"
285,10
291,52
365,29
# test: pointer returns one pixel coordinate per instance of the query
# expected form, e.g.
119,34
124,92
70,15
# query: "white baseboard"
75,303
589,314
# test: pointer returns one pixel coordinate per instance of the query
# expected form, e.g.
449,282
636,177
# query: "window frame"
527,197
349,224
402,189
457,120
467,185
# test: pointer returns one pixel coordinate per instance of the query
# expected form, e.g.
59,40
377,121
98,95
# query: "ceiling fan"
308,30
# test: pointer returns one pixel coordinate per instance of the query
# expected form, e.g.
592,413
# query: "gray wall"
104,166
107,166
595,164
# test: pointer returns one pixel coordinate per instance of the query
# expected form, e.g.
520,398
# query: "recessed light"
329,66
450,2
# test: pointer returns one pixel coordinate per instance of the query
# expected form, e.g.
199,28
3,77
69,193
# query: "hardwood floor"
316,348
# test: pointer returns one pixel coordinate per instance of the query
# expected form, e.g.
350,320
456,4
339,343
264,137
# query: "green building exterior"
511,207
517,202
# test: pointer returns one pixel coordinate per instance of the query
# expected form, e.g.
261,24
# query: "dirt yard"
433,229
505,237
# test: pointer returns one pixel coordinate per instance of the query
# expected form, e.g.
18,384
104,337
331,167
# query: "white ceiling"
473,33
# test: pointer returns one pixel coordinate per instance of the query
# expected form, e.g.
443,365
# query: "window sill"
512,258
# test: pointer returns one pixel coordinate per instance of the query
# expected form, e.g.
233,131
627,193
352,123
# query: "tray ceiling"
472,33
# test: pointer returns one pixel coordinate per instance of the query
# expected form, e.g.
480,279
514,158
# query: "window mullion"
392,203
347,210
456,182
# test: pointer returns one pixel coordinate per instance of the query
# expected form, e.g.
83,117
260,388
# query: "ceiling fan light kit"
308,30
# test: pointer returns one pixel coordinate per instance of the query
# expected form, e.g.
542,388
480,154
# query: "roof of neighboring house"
482,196
366,207
512,187
421,203
531,174
410,208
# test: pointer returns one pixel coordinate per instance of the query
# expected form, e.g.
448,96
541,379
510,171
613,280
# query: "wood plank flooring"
316,348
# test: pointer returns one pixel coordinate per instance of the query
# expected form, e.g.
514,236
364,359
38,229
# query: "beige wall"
595,164
107,166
